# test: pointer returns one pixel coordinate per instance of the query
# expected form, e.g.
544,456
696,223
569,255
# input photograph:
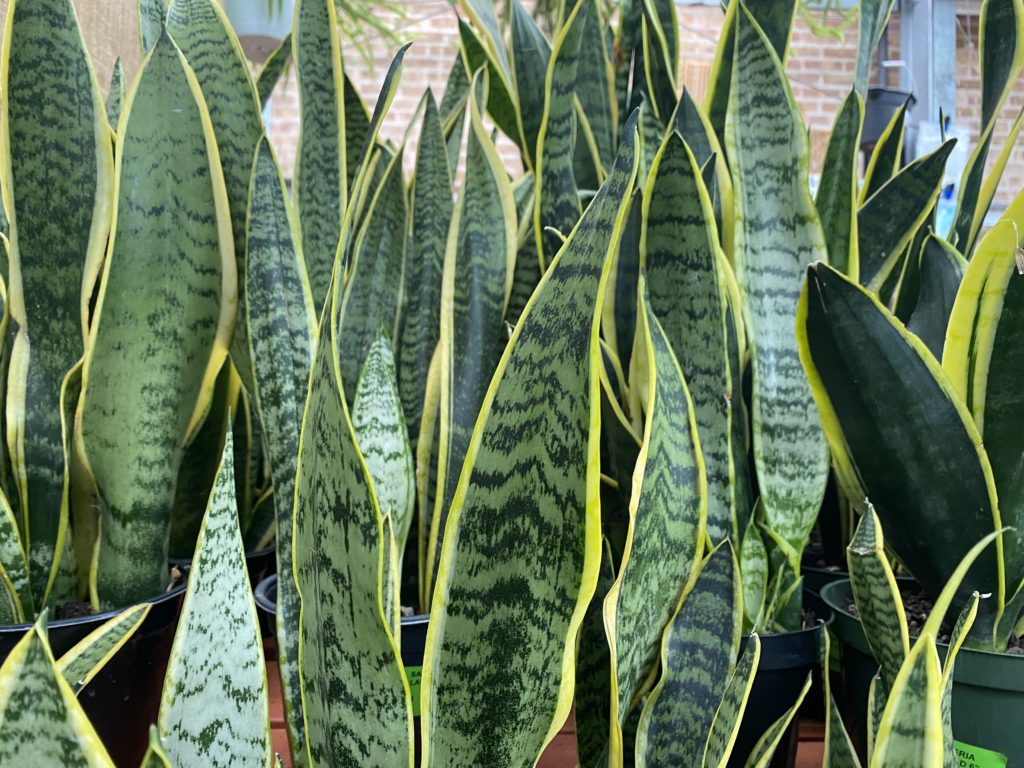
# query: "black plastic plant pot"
123,700
988,688
786,658
817,578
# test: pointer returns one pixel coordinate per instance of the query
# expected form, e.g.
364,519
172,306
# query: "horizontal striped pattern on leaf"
430,211
698,653
478,266
281,330
593,675
837,192
681,253
355,698
522,551
777,235
115,94
57,186
666,530
215,709
41,722
148,375
530,55
320,177
272,69
726,725
13,566
910,731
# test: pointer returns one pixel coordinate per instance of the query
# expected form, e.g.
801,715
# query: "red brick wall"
820,68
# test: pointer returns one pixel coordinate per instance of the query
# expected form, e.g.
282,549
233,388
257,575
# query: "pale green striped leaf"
698,653
522,546
837,192
148,375
595,87
355,697
281,329
555,198
764,750
215,709
887,156
777,235
203,33
877,596
155,756
430,210
910,731
887,222
13,566
320,177
478,266
426,478
727,720
384,440
666,533
41,723
692,124
754,571
57,184
152,15
373,291
871,23
940,273
81,664
115,94
681,253
272,69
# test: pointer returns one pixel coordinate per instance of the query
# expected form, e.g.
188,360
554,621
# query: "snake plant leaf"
726,725
320,181
152,17
431,211
956,640
699,648
85,660
666,528
627,43
357,128
426,477
204,35
41,722
272,69
930,482
384,440
354,693
524,524
940,274
878,597
215,708
595,86
887,156
910,731
57,176
80,540
373,292
754,572
839,751
198,470
281,332
837,193
871,23
246,445
555,197
1001,46
478,267
530,53
777,235
593,674
618,321
502,103
148,376
155,756
888,220
660,49
482,15
115,95
764,750
681,254
455,89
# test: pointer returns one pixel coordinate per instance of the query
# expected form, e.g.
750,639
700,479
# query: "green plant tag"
415,673
966,755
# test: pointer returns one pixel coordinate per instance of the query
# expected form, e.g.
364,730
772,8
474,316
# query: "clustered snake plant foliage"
519,405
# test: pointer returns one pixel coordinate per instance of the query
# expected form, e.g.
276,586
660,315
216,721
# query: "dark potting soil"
918,606
76,609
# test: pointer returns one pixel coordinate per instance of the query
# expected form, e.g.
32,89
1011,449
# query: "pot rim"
269,605
98,618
